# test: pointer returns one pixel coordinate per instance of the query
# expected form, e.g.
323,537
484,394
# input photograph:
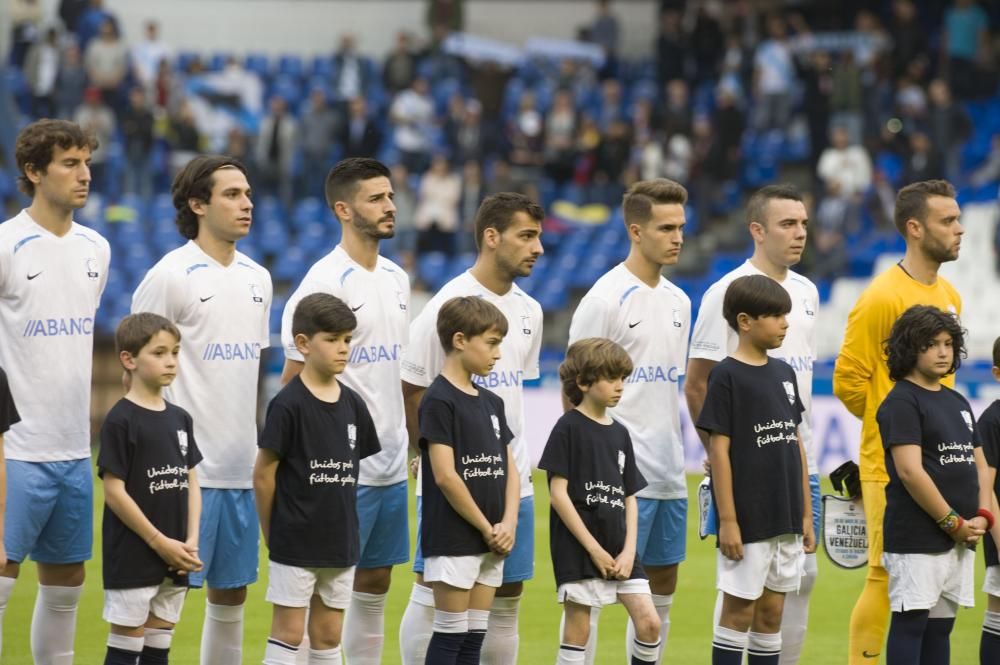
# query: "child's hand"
623,564
191,545
730,540
414,466
971,531
502,538
3,555
605,563
175,553
808,537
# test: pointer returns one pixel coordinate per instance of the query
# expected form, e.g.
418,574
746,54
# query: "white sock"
662,603
275,653
991,622
222,635
764,644
571,655
158,638
364,628
6,588
645,652
591,648
479,621
451,623
795,617
500,645
728,639
416,626
125,643
326,656
53,625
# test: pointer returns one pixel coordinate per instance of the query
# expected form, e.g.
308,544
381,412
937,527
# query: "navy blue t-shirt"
599,464
758,408
475,427
941,423
988,436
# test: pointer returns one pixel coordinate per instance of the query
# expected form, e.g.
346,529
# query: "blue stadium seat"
217,61
432,267
291,65
258,64
290,264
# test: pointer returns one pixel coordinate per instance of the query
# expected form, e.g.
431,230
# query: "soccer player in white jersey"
634,305
508,230
378,292
52,274
220,300
777,219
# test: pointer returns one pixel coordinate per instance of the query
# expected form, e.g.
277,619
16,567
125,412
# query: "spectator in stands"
817,80
235,82
612,104
473,193
277,143
611,161
833,218
606,33
436,217
675,115
412,115
167,91
25,18
909,37
148,53
405,200
774,77
469,140
964,46
106,61
95,117
238,147
90,23
948,125
71,81
183,136
137,133
359,134
560,138
350,78
41,71
845,165
444,16
526,140
911,104
729,122
400,66
846,98
319,126
709,166
671,48
502,180
923,162
704,42
989,171
70,12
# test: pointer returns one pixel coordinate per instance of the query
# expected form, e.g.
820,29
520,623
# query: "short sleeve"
104,252
265,320
717,414
556,455
437,422
531,364
710,339
8,411
116,451
632,478
193,454
988,435
589,320
159,293
506,435
279,429
368,443
899,421
423,356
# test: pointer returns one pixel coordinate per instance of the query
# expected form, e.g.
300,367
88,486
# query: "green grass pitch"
691,617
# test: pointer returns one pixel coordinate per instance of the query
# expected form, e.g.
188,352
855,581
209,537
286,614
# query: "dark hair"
497,212
755,296
638,202
469,315
911,202
342,180
996,352
912,334
195,181
757,205
135,330
37,142
322,313
589,360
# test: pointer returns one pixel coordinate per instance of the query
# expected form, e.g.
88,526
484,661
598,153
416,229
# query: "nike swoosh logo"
31,277
633,325
208,298
354,309
870,655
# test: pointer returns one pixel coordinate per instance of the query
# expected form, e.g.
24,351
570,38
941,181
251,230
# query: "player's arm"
3,502
127,510
730,539
264,471
455,491
695,390
626,558
563,505
860,351
291,370
908,459
194,513
505,532
808,534
412,394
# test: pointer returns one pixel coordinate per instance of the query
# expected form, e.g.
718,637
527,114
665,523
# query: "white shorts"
991,583
463,572
293,586
132,607
776,564
598,593
919,581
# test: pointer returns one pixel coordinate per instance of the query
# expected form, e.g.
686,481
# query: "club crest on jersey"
182,442
808,307
496,425
621,461
678,321
92,269
402,301
352,435
256,294
526,325
967,417
789,391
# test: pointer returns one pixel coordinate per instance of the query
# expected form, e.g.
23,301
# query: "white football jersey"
713,339
380,299
50,288
222,313
652,325
424,357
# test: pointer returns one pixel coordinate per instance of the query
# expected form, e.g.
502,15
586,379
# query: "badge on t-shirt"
807,307
352,435
621,461
967,417
496,424
182,442
256,293
92,272
789,391
678,319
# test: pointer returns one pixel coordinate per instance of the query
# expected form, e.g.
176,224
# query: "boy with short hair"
988,435
759,477
593,479
151,498
471,489
938,500
316,432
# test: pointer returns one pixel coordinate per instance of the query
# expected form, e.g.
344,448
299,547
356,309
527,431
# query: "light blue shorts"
50,511
520,563
817,506
662,536
382,517
229,539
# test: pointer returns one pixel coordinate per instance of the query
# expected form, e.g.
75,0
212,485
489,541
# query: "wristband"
951,522
988,516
